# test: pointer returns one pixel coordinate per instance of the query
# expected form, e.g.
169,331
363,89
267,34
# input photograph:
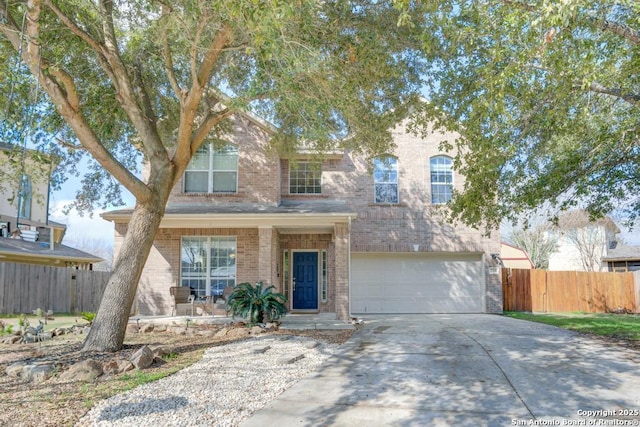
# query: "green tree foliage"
126,79
546,94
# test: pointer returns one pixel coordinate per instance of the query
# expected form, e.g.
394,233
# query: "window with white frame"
385,179
441,179
213,169
208,264
305,178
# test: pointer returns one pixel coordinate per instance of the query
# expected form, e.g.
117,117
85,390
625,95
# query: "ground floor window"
208,264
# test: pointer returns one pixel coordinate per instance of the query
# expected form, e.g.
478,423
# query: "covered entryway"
417,283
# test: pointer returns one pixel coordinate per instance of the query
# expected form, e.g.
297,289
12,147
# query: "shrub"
256,303
88,316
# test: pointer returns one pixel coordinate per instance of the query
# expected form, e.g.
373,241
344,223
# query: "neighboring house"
621,258
583,244
26,233
514,257
342,235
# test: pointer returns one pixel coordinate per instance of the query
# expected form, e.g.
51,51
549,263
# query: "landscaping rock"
37,373
86,370
256,330
125,366
110,368
12,339
221,333
15,369
237,333
288,359
261,349
160,328
145,329
142,358
161,350
116,367
271,326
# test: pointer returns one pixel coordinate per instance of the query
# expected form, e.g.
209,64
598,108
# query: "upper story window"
441,179
385,179
305,178
24,198
212,169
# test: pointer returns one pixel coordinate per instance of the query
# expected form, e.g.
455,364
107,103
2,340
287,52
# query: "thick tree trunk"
109,327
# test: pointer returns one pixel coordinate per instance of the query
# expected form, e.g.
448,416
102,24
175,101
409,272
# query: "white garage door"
416,283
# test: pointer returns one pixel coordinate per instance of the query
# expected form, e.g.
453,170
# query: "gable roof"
580,218
623,253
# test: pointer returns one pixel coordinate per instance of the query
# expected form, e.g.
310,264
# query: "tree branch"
631,98
622,30
168,59
32,56
189,108
151,142
93,44
209,122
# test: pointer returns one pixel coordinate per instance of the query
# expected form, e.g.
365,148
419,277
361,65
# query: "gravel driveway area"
225,387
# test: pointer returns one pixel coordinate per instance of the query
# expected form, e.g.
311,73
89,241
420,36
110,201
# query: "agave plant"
256,303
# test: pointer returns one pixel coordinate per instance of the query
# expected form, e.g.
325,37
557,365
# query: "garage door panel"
410,283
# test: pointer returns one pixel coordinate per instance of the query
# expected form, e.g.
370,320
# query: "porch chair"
182,299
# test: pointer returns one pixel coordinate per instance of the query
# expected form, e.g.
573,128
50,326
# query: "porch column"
267,255
343,254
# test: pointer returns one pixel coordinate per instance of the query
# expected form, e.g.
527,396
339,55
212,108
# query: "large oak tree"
546,96
158,78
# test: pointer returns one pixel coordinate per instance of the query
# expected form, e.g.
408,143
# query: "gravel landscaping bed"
208,374
225,387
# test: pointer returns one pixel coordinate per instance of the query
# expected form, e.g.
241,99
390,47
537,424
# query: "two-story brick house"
340,235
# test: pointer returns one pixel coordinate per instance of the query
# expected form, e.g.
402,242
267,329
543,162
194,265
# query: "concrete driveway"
464,370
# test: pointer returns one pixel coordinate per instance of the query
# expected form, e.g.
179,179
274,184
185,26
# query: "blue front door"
305,280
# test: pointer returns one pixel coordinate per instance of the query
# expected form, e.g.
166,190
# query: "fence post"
636,286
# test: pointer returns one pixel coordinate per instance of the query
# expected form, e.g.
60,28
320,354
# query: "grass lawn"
622,326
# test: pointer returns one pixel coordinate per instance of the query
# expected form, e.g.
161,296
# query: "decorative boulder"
86,370
142,358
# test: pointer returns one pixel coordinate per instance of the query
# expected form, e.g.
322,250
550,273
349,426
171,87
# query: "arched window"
441,179
213,169
385,179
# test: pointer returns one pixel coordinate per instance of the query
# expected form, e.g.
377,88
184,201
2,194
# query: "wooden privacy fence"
568,291
27,287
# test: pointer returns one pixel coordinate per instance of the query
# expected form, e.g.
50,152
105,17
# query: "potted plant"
256,303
